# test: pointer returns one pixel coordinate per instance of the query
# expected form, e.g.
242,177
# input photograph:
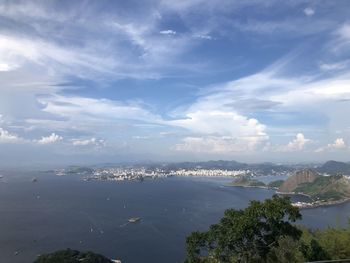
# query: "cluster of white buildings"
121,174
209,172
130,173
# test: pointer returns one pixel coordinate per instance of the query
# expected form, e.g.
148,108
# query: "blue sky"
102,81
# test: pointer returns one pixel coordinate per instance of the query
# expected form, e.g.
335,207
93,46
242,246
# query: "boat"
134,219
34,180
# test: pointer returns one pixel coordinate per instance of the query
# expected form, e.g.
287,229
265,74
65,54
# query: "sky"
114,81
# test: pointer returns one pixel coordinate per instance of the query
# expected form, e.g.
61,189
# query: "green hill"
318,187
326,188
248,182
275,184
300,177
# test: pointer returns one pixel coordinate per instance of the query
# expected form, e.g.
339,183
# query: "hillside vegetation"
245,181
72,256
300,177
326,188
318,187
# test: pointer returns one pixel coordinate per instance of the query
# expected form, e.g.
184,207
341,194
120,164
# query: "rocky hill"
320,188
300,177
327,188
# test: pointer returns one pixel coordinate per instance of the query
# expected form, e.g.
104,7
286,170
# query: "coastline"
320,203
301,205
252,186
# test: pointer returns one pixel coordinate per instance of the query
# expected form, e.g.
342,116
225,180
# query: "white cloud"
53,138
297,144
7,137
16,51
208,37
86,142
338,144
309,11
341,42
334,66
218,145
95,111
344,31
220,132
226,123
168,32
6,67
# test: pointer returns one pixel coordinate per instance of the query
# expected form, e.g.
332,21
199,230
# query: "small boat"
34,180
134,219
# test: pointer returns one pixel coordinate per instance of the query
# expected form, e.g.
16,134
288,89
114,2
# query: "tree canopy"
72,256
246,235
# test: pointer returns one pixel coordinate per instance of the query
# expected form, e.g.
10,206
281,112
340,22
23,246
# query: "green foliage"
245,235
263,233
314,187
72,256
287,251
245,181
335,241
310,247
326,188
276,184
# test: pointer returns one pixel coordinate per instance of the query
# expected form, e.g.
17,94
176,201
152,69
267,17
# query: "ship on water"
134,219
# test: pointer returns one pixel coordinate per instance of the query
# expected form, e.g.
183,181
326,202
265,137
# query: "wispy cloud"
74,73
88,142
168,32
309,11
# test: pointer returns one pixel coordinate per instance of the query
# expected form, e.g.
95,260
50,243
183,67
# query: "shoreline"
301,205
320,204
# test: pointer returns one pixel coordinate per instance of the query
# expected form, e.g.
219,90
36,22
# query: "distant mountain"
334,167
300,177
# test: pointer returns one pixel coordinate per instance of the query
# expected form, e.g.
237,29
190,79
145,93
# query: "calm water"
61,212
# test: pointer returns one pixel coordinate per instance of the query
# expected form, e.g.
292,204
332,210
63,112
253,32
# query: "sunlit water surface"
66,212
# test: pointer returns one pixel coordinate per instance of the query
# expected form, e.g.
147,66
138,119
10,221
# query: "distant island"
251,182
321,189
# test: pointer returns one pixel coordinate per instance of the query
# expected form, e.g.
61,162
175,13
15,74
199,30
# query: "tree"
287,251
335,242
72,256
245,235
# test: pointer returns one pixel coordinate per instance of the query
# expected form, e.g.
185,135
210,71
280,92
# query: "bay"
66,212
